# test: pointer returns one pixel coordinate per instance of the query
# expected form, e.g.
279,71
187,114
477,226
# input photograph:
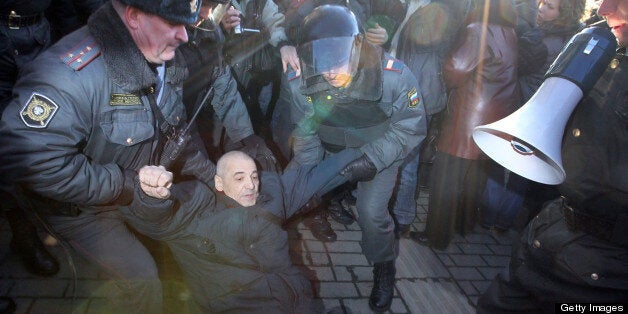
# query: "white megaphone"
528,142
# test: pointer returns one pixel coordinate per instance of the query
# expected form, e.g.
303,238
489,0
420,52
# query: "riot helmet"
329,45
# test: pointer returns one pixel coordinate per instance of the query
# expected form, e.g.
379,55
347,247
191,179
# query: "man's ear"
132,16
218,183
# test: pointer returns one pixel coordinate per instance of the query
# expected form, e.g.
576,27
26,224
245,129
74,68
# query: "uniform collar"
125,64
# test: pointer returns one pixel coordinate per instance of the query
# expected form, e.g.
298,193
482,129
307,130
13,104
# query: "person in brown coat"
481,78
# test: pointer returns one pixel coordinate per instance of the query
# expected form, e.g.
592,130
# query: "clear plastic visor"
328,55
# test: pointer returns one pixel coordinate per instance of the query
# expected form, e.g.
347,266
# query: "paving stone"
330,304
357,305
500,261
60,306
363,273
323,273
349,235
364,288
480,238
337,290
500,249
467,260
348,259
319,258
507,237
465,273
452,248
39,288
444,258
481,285
490,272
314,246
417,261
468,287
458,239
344,247
474,248
342,273
428,296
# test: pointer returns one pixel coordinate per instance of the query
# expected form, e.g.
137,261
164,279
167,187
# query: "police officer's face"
339,76
240,181
156,38
615,12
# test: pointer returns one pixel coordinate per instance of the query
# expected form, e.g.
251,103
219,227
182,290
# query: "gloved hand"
361,169
255,147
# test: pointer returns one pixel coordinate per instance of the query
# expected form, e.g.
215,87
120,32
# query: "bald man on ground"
228,239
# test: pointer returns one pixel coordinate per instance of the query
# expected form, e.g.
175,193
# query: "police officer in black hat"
356,96
87,113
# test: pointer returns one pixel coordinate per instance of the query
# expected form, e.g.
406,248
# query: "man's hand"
289,56
377,35
155,181
230,19
361,169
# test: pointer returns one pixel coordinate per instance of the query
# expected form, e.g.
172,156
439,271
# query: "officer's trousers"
378,238
105,240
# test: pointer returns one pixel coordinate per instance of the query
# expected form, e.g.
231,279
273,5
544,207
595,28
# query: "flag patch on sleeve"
413,98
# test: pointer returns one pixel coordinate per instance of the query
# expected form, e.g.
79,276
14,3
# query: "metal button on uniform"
16,52
251,246
576,132
129,140
205,242
536,244
595,276
614,63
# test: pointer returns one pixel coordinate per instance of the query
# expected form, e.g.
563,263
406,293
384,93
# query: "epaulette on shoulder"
390,64
82,54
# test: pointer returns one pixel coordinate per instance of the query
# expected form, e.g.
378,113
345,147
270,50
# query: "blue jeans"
404,208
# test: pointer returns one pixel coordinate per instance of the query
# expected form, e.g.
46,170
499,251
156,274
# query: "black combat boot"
340,211
383,286
7,306
320,227
28,246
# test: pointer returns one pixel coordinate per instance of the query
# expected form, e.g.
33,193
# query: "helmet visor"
329,54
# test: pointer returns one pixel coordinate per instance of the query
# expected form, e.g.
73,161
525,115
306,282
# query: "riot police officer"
355,95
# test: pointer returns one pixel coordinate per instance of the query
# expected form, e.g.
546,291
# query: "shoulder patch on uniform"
292,74
413,98
393,65
82,54
38,111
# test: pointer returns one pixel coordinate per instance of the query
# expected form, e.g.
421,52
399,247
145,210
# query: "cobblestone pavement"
428,281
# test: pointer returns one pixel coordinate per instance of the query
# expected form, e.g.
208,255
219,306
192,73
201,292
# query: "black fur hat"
176,11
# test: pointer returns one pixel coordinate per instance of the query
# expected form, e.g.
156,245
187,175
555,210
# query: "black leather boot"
28,246
383,286
340,213
320,227
7,306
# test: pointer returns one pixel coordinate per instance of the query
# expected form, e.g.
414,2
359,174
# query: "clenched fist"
155,181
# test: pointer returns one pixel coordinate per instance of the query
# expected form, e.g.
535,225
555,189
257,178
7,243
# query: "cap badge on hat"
193,5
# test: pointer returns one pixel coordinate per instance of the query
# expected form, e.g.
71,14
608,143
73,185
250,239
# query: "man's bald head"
237,177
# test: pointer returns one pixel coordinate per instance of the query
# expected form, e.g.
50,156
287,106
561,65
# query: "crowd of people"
206,125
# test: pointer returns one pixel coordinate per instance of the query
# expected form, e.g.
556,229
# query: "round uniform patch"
38,111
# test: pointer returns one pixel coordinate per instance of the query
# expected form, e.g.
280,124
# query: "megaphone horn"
528,141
